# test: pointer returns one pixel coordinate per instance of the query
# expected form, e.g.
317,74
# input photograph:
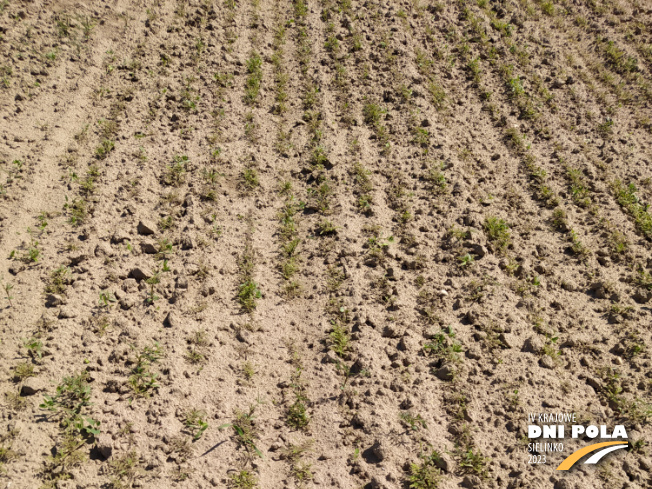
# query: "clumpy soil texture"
319,243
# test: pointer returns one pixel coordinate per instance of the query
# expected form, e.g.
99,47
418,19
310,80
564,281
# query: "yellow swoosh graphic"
575,456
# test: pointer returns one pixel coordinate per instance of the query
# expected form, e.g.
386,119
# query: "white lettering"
549,431
618,430
603,432
545,447
577,430
533,431
592,431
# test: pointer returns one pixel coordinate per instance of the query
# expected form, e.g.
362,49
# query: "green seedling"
195,423
466,261
106,298
411,421
348,373
78,211
245,430
194,357
72,396
103,150
43,221
577,247
59,280
6,452
152,282
372,114
472,461
175,174
142,380
87,25
425,475
125,470
627,196
297,416
32,253
7,288
247,295
497,232
443,345
643,279
248,371
23,371
34,347
250,178
165,248
559,220
254,80
339,338
326,227
243,479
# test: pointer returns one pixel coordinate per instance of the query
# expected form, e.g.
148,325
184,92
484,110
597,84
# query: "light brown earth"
344,244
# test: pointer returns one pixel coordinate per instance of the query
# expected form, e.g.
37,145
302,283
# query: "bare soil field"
323,243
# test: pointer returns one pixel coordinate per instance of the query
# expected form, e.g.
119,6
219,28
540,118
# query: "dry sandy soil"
284,244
